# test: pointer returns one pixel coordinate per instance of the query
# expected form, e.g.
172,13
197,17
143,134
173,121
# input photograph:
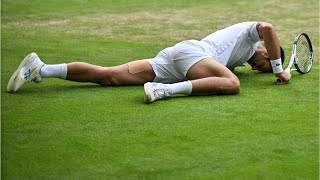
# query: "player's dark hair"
281,52
252,59
282,55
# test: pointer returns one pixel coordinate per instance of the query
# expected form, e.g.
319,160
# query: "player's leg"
132,73
206,77
33,69
209,77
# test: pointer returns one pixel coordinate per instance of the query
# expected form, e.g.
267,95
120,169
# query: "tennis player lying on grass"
190,67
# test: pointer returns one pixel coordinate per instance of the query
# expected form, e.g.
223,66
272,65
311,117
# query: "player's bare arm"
267,32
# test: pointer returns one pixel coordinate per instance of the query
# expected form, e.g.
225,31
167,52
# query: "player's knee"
236,87
109,78
233,86
112,81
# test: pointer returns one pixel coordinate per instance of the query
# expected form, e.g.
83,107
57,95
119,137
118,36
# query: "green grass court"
67,130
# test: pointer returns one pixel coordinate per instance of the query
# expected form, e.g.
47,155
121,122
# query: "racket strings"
303,55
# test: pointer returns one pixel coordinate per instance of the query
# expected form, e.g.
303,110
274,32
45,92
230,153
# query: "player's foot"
155,91
28,70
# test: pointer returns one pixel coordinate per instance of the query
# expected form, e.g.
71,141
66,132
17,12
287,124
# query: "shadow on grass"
177,99
253,79
53,89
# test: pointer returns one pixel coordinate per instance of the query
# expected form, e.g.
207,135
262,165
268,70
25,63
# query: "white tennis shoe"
28,70
155,91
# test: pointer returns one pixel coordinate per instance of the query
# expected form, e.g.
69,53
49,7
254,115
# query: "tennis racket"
302,55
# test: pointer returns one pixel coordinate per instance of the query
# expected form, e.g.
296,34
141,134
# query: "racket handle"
287,70
279,81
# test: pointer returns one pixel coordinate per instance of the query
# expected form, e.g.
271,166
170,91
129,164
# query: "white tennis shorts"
171,65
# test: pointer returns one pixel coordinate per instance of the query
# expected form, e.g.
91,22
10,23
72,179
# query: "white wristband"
276,66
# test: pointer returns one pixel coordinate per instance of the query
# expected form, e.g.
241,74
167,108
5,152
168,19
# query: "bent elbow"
266,26
263,28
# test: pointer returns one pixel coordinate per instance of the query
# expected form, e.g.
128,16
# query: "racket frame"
310,55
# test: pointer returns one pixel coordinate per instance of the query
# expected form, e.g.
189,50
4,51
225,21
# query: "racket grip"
279,80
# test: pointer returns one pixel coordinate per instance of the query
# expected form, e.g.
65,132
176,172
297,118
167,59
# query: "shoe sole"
15,76
147,97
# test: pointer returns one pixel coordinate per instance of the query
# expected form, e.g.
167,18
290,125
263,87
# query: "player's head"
261,61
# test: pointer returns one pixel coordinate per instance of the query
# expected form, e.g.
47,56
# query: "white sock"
184,87
55,71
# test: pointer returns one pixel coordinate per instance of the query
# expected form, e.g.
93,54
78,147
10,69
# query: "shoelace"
161,93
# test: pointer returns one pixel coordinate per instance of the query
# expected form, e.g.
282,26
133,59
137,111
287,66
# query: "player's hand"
283,77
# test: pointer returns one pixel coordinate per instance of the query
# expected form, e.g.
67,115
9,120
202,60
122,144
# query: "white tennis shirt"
234,45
